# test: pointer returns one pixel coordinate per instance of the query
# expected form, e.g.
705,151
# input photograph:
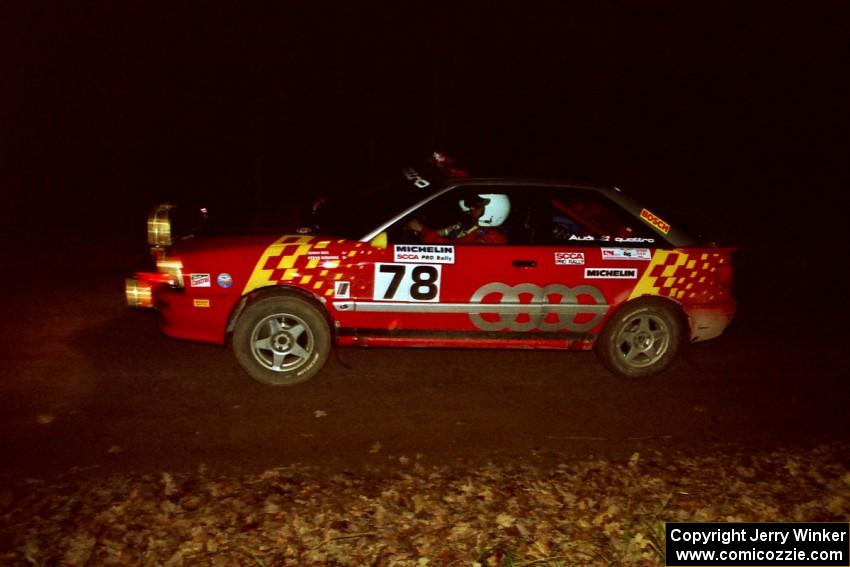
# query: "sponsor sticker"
656,222
610,273
201,302
626,254
342,290
632,240
412,175
224,280
199,280
608,238
424,253
569,258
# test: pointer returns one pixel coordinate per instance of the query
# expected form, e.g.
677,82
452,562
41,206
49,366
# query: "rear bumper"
709,321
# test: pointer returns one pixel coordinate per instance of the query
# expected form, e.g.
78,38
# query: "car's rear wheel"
282,340
641,339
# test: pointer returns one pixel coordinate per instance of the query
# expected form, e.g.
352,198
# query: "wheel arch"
644,353
271,291
676,307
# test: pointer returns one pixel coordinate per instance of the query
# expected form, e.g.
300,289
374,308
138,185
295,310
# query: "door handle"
524,263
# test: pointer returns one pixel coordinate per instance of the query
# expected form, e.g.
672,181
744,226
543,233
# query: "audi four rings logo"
541,313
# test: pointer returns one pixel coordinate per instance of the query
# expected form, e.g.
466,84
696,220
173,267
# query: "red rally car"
442,260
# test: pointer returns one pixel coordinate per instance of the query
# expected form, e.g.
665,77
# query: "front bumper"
140,288
180,315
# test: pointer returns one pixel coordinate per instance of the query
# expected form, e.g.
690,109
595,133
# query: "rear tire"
641,339
282,340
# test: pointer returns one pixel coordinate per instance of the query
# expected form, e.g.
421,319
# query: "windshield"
354,215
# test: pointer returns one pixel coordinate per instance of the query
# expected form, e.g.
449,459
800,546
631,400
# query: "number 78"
407,282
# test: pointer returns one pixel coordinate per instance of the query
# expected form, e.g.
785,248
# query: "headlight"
159,225
172,269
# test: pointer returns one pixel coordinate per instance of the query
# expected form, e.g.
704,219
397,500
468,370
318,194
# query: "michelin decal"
424,253
610,274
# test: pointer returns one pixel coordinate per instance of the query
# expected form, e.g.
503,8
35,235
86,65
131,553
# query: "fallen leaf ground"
592,512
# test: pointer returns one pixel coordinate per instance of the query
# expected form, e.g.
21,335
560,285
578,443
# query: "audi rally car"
442,260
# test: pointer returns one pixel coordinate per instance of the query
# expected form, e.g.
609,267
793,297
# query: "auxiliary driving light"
159,225
138,293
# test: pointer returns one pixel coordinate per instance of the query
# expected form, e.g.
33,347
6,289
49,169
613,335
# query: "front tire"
282,340
641,339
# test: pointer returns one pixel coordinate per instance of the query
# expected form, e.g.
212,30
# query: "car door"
550,284
434,281
567,257
594,254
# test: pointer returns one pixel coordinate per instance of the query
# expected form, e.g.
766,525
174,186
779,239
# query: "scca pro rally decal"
424,254
610,274
626,254
569,258
655,221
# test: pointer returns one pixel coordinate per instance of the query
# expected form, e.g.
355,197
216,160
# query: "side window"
470,215
586,218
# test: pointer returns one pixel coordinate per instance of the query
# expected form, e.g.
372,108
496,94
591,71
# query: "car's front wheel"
641,339
282,340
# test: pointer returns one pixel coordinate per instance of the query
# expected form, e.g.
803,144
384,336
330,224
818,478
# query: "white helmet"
497,207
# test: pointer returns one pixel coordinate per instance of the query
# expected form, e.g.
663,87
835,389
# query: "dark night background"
731,113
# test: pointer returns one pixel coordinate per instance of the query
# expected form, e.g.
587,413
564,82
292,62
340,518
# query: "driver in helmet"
483,215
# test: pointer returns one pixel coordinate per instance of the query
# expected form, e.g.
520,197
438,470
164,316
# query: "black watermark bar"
694,544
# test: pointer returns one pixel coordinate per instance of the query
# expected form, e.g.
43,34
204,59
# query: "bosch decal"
424,254
656,222
626,254
199,280
224,280
510,313
610,274
569,258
